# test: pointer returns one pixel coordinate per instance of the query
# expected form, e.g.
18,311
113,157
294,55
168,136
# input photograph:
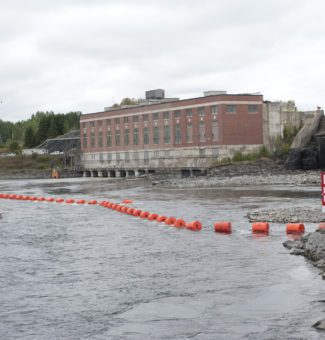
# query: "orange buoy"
92,202
321,226
194,226
124,209
102,203
80,201
59,200
260,228
109,205
119,208
5,196
12,196
33,198
137,212
24,198
223,227
130,211
126,201
180,223
152,217
170,221
144,214
49,199
161,218
69,201
295,228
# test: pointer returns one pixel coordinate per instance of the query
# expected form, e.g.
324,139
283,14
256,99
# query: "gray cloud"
80,55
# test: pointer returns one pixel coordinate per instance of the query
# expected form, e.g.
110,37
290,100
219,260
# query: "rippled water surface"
77,272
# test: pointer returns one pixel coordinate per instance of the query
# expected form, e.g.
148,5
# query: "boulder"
319,324
315,246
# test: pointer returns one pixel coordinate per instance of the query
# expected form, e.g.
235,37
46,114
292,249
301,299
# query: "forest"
35,130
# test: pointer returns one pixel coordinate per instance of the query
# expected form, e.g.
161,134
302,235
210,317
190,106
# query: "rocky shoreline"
311,246
262,172
288,215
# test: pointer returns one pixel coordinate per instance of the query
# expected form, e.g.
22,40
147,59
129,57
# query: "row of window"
231,108
134,138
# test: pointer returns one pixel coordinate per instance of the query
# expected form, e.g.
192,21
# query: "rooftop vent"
155,94
213,93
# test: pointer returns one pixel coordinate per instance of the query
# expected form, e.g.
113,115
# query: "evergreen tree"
29,140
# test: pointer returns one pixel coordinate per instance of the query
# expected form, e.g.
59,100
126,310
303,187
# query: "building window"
166,115
177,113
84,138
166,134
155,116
126,119
92,138
214,109
167,153
126,137
189,133
109,157
99,122
215,131
84,125
202,132
135,136
126,156
146,135
189,113
108,122
156,135
135,118
117,121
108,138
117,137
201,111
252,108
156,154
178,137
136,156
101,157
231,108
118,156
92,124
145,118
100,138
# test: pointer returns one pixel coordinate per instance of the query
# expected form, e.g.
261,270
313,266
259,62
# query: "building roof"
67,142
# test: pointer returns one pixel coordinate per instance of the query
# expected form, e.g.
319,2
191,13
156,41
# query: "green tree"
43,129
14,147
30,139
53,129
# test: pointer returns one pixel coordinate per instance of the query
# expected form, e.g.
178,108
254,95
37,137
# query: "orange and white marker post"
322,175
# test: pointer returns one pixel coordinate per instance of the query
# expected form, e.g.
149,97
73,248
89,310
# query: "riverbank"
261,172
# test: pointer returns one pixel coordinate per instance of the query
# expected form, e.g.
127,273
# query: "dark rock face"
305,158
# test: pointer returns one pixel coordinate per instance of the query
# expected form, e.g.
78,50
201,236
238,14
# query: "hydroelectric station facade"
168,134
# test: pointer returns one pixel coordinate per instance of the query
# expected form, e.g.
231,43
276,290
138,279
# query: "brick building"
164,134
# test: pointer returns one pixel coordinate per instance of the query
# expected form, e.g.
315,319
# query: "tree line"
41,126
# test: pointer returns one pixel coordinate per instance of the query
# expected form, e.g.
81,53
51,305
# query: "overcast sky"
82,55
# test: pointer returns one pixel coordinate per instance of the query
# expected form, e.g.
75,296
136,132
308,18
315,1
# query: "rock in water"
319,324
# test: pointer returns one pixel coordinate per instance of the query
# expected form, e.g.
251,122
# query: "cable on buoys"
180,223
130,211
80,201
170,221
49,199
124,209
260,228
295,228
194,226
69,201
223,227
59,200
161,218
152,217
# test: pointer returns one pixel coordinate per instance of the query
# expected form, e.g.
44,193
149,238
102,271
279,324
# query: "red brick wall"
240,127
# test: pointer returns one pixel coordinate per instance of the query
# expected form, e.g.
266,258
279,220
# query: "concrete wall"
275,118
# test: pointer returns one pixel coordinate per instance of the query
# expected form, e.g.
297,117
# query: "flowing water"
86,272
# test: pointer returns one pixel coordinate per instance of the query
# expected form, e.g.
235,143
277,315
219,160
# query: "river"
87,272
